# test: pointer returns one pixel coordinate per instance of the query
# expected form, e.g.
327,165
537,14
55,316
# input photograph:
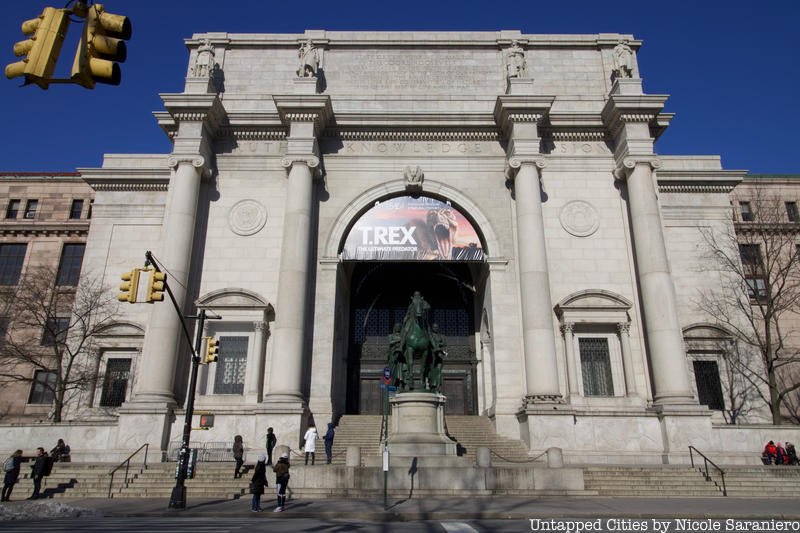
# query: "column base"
146,422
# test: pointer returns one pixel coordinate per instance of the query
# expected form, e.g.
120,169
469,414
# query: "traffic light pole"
178,498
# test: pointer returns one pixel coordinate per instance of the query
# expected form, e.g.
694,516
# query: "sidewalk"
457,508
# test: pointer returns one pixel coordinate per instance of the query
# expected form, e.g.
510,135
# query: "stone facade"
545,143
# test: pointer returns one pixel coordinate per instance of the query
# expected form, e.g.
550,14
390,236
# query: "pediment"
122,329
593,300
233,298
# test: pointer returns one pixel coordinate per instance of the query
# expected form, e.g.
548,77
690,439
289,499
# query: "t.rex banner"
407,228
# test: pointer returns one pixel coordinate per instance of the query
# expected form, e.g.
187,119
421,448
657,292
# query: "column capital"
514,163
311,161
260,326
623,328
624,169
196,160
567,328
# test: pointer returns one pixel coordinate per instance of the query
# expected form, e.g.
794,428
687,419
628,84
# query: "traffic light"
155,286
48,31
101,45
129,287
212,349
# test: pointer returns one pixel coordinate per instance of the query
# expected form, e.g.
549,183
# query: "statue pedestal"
418,425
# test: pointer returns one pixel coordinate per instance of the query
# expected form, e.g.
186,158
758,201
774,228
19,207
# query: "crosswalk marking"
458,527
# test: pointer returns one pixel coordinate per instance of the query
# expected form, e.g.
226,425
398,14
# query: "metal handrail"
127,464
708,461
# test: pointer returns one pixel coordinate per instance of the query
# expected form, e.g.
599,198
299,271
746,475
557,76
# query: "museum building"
318,180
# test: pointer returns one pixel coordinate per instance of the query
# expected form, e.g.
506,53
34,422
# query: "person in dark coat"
281,470
272,440
12,476
791,453
61,452
258,482
238,455
329,442
38,471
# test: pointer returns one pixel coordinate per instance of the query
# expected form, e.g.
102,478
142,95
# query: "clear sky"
730,67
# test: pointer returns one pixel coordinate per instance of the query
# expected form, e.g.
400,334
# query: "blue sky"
730,68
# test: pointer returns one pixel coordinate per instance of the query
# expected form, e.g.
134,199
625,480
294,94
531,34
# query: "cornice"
45,229
490,135
314,108
510,108
127,179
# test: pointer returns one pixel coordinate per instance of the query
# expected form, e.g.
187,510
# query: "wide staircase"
469,433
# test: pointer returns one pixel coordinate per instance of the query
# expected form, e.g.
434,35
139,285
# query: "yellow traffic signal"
212,350
48,31
129,287
101,45
155,287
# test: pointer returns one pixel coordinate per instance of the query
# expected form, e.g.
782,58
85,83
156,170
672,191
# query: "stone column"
573,362
285,381
255,367
664,337
624,331
541,370
160,351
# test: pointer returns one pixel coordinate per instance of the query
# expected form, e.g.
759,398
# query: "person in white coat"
311,442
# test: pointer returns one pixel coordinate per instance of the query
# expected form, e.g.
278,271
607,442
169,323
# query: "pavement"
494,508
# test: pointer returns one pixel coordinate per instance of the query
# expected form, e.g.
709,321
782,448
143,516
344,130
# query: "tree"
51,333
758,268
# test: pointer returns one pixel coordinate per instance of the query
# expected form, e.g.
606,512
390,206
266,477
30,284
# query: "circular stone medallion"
579,218
247,217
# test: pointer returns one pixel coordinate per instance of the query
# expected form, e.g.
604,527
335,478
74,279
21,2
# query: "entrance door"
380,294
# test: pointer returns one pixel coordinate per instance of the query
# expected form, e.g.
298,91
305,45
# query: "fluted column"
255,366
573,364
541,370
664,337
161,341
285,381
624,331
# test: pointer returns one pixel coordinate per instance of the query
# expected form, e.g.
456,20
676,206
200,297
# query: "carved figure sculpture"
309,60
623,60
396,359
204,64
414,177
416,343
439,353
516,67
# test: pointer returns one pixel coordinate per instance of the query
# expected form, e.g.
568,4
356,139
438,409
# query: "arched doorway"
399,246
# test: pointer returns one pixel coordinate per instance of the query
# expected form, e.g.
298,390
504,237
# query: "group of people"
775,454
41,468
281,468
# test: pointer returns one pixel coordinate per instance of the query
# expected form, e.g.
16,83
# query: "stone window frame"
598,313
704,342
105,358
13,208
246,314
121,340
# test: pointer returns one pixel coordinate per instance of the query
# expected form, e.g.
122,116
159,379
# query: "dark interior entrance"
380,294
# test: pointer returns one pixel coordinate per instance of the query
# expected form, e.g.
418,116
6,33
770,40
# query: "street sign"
387,375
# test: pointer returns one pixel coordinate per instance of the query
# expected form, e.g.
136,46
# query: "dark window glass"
12,256
89,212
231,365
13,209
747,212
791,212
76,209
55,332
3,328
70,267
753,271
115,383
709,389
595,366
43,388
30,208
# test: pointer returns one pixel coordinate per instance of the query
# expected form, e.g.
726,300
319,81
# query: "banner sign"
407,228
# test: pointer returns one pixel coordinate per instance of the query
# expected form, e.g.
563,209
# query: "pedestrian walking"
258,482
11,467
310,445
281,470
238,454
329,442
40,468
272,441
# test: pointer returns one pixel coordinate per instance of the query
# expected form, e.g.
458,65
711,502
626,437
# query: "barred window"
12,256
70,267
43,388
231,365
709,389
115,383
595,366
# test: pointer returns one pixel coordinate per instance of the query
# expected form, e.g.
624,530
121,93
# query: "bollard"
483,456
555,459
353,456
